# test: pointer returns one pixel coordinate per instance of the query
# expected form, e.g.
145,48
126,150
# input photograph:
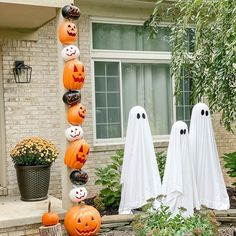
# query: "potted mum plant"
33,158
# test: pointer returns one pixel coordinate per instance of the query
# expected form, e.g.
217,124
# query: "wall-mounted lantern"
22,73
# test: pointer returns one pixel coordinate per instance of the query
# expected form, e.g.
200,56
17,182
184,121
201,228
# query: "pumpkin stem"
82,203
49,206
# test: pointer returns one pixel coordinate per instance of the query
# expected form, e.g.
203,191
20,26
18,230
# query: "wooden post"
54,230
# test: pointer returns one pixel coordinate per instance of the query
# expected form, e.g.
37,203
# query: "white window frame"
122,56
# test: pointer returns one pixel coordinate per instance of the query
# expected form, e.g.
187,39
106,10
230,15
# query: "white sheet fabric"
210,183
179,184
140,177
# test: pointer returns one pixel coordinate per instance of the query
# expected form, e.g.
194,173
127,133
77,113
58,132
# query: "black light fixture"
22,73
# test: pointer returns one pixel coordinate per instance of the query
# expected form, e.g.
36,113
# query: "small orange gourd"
76,114
67,32
73,75
76,154
82,220
50,218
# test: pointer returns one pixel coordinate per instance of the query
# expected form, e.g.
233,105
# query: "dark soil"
107,211
232,197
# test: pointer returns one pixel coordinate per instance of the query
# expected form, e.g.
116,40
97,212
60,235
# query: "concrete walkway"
14,212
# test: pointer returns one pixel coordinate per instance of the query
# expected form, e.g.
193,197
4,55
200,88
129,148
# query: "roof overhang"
28,14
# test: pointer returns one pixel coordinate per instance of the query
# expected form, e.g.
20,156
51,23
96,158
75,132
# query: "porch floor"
14,212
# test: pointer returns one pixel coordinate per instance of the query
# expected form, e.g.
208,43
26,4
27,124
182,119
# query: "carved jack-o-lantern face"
76,154
78,177
78,194
70,12
82,220
73,133
67,32
70,52
71,97
73,76
76,114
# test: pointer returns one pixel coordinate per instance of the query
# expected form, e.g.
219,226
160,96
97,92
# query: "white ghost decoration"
179,183
78,194
210,182
73,133
140,177
70,52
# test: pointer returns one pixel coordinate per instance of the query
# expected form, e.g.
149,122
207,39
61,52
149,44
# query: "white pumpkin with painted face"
70,52
73,133
78,194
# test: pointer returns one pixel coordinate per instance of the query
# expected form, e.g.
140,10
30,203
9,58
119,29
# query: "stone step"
3,191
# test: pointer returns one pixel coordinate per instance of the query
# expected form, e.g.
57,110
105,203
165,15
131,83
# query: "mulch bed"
232,197
107,211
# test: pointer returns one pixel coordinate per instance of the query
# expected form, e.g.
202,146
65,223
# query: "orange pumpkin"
76,114
82,220
67,32
50,218
76,154
73,75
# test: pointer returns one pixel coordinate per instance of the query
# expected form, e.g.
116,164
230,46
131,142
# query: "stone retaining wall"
120,225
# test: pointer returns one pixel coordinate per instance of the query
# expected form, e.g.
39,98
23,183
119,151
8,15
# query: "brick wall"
226,143
32,109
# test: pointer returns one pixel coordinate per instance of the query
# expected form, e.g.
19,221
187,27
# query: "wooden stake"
54,230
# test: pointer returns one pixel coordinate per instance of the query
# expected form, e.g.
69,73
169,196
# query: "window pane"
107,90
114,115
99,69
102,131
151,88
113,84
101,115
113,99
183,109
100,84
114,130
101,100
129,37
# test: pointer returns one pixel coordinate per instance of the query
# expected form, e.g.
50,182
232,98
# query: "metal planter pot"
33,182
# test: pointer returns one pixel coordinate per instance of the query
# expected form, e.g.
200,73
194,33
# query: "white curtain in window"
148,85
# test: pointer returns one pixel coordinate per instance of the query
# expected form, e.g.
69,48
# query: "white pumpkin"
78,194
73,133
70,52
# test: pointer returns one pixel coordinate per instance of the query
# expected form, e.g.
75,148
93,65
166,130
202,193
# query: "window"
184,107
131,70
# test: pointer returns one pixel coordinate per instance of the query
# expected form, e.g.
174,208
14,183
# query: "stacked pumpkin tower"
80,219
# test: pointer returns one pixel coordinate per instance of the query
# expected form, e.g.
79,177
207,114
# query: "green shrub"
160,223
230,164
161,160
109,179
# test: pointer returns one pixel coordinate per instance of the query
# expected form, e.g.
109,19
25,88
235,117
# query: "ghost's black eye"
181,131
202,112
143,115
138,116
207,113
184,131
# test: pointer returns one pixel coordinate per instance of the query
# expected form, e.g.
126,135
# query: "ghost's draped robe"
140,177
210,183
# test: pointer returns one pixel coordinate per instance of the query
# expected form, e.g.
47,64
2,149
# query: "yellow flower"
37,148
